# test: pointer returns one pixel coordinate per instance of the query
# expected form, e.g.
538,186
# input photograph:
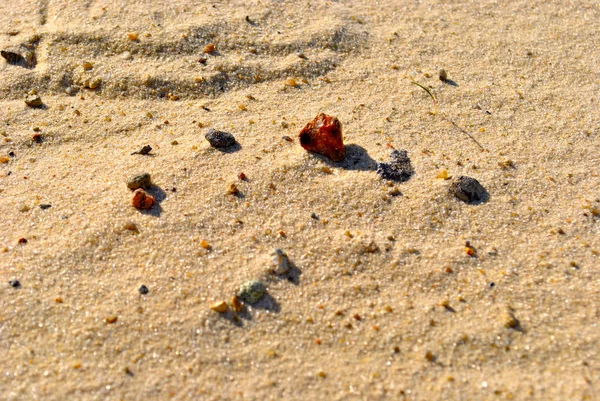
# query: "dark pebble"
143,151
11,154
314,216
22,240
398,168
468,189
45,206
143,290
14,283
219,139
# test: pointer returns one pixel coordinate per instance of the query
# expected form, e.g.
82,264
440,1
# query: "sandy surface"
384,302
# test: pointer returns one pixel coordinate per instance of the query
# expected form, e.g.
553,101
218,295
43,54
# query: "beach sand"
384,300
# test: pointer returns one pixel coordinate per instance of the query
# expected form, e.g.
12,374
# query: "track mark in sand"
174,63
43,11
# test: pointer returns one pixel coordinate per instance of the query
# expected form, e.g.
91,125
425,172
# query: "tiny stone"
45,206
219,139
467,189
131,226
314,216
87,65
236,304
280,263
22,240
14,283
33,101
144,150
398,168
142,180
143,290
220,307
443,75
142,199
111,319
252,291
209,48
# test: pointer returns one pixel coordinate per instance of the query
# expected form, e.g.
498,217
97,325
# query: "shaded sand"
384,301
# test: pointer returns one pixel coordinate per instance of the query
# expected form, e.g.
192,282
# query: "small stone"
19,55
144,150
291,82
280,264
398,168
142,180
468,189
209,48
204,244
219,139
111,319
131,226
4,159
94,83
143,290
443,174
443,75
14,283
236,304
233,190
133,36
252,291
33,101
220,307
323,135
45,206
87,65
142,199
22,240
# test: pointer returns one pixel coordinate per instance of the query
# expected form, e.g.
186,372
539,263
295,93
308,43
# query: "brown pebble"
33,101
236,304
87,65
233,190
22,240
204,244
111,319
142,199
242,176
131,226
443,75
209,48
220,307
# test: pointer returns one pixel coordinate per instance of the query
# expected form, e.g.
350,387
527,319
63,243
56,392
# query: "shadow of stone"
450,82
236,147
267,302
357,158
159,195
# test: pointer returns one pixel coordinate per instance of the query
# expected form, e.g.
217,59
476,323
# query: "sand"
384,299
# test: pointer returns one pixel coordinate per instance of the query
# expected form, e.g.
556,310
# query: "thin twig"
465,132
428,92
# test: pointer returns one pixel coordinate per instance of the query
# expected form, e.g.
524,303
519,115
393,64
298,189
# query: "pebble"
45,206
323,135
252,291
19,55
443,75
14,283
142,199
220,307
144,150
236,304
142,180
143,290
33,101
398,168
280,264
467,189
219,139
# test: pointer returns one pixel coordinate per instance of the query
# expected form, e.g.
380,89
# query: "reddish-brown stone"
142,199
323,135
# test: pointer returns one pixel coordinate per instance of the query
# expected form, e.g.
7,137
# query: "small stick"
466,133
428,92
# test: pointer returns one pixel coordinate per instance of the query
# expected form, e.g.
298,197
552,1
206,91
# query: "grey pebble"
219,139
468,189
139,181
252,291
33,101
398,168
280,263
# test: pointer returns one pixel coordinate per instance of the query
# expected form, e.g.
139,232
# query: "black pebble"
11,153
45,206
143,290
144,150
219,139
492,285
14,283
398,168
314,216
468,189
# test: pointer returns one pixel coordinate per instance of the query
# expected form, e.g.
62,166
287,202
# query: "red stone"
323,135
